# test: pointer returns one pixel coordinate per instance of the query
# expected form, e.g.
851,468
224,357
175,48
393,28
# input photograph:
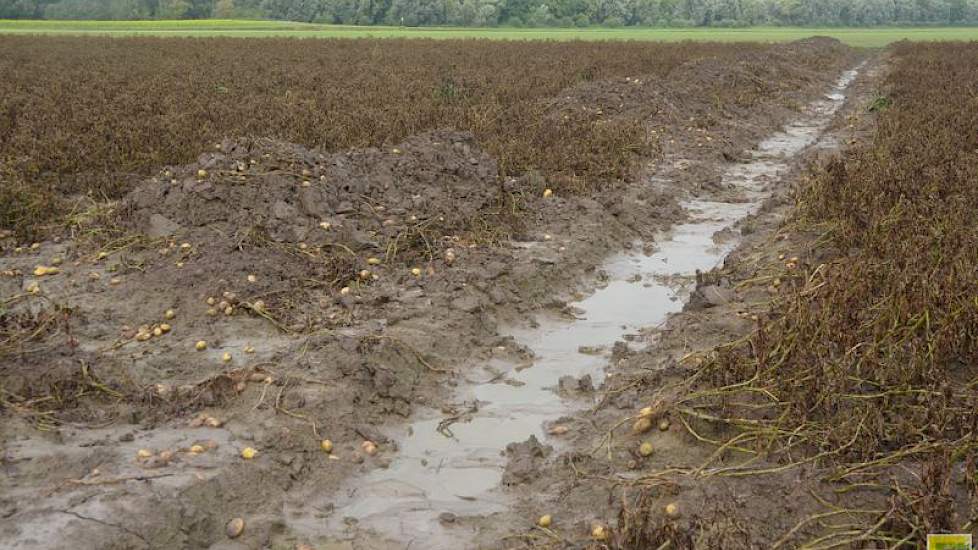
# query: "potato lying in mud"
235,527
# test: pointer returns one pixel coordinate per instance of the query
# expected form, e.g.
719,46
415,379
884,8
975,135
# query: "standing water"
458,470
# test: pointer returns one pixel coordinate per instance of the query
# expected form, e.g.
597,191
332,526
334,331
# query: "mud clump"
289,217
525,460
708,296
287,190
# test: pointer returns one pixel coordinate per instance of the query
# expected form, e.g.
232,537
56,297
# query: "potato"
234,528
43,270
642,425
645,449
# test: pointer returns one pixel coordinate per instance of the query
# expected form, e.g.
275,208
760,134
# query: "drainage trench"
458,470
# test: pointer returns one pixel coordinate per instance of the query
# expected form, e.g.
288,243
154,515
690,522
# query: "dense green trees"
519,12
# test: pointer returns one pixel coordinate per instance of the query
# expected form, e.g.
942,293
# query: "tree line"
519,13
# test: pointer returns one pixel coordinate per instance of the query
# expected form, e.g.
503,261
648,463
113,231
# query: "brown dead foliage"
85,114
865,369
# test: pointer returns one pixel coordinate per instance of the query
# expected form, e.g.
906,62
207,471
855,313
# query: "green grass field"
873,37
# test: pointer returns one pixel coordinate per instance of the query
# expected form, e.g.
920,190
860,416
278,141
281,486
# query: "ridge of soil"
83,392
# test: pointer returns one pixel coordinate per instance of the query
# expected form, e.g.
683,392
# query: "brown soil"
83,393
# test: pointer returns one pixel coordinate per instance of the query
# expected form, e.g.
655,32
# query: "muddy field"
410,346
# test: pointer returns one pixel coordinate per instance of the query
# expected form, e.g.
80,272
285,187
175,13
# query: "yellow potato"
645,449
642,425
42,270
235,527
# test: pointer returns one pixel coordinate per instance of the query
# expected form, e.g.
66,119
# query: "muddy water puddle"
452,467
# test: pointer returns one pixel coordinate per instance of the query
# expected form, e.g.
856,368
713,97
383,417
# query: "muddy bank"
681,491
206,314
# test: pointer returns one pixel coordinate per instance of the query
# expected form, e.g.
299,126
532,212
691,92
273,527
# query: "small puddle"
458,470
